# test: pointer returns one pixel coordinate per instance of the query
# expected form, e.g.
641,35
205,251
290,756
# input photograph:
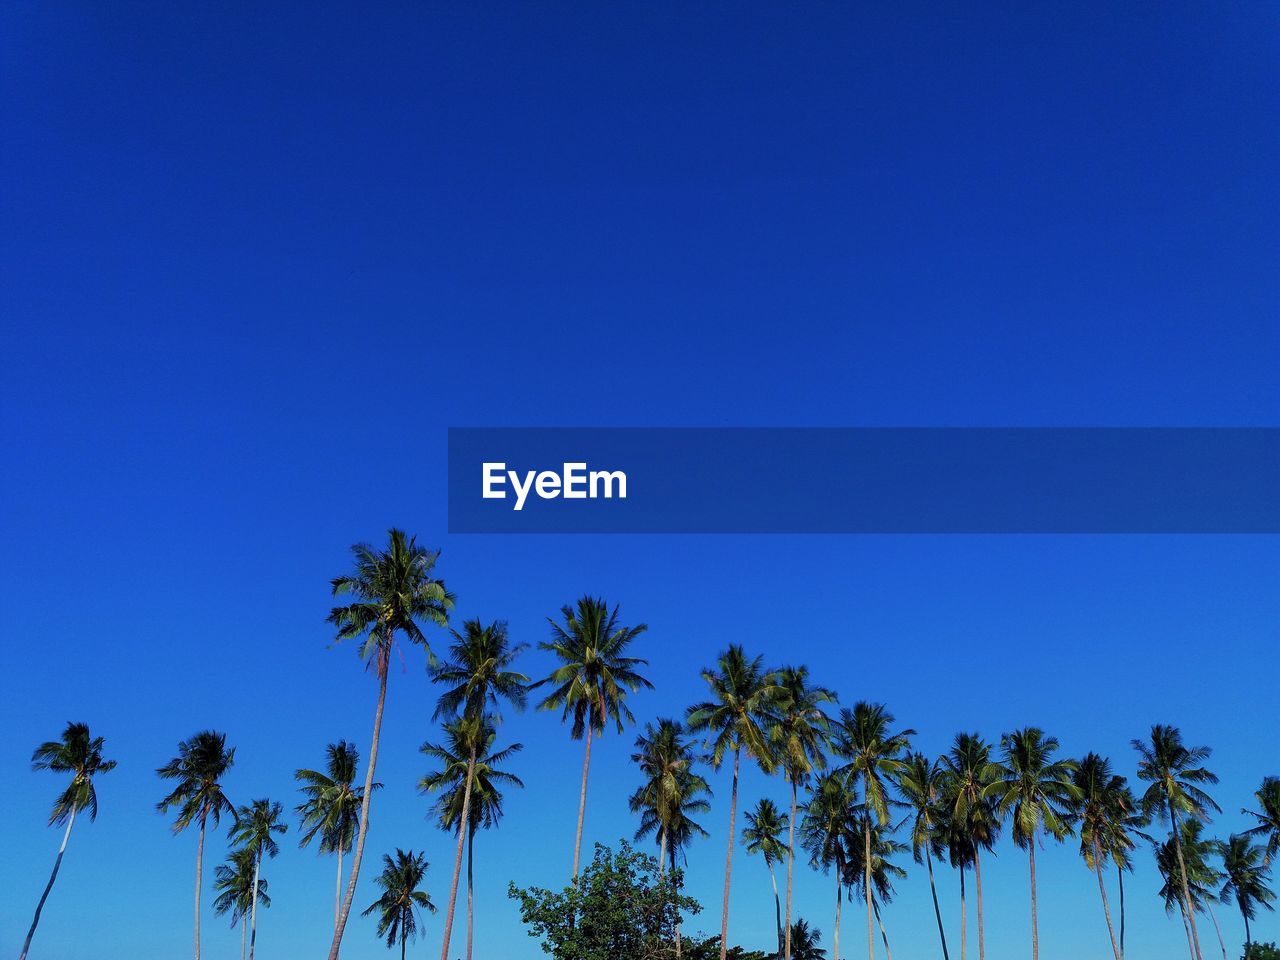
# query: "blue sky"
258,260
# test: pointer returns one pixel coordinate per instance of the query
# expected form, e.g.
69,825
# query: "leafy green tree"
1263,951
1245,881
736,718
392,590
1268,817
974,822
79,754
253,830
593,679
234,884
401,902
806,941
622,907
478,677
827,833
1175,772
763,835
920,784
1035,792
880,871
199,767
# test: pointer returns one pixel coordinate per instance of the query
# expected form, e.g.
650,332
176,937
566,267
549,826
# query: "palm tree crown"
873,751
1175,772
79,754
799,734
763,832
234,885
450,780
1245,877
331,810
1103,808
1031,788
1268,816
255,825
478,672
401,901
199,767
671,789
738,713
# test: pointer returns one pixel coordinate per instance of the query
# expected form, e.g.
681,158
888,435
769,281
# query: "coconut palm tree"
763,835
592,681
1268,817
79,754
974,821
1035,792
485,803
392,591
805,941
1190,852
874,752
401,902
478,677
827,833
920,784
1174,772
881,871
234,884
736,718
1245,881
331,810
799,738
199,767
253,830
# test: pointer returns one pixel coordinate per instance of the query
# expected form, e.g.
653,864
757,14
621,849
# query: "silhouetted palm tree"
827,832
1268,817
920,784
805,941
1245,882
763,835
253,830
974,823
401,900
234,884
1200,880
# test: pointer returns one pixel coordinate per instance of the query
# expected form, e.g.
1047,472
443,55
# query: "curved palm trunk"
777,909
977,877
728,856
384,656
199,868
964,919
884,935
1186,928
582,802
464,823
791,863
835,939
937,911
471,892
1248,940
1186,891
866,883
1120,875
1106,908
1216,929
253,909
1035,929
66,835
337,891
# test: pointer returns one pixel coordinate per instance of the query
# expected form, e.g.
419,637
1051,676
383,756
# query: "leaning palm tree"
1190,853
80,755
593,678
882,871
199,767
331,810
1245,882
974,821
827,833
1035,792
234,884
874,753
763,835
799,740
484,806
401,901
805,941
253,830
478,676
920,784
393,589
1175,772
1268,817
736,718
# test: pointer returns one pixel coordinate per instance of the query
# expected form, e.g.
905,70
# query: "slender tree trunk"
403,940
464,824
866,882
384,658
1106,908
1186,928
1035,930
937,911
243,928
728,857
777,909
582,801
675,880
1248,940
884,935
199,868
471,892
964,918
791,863
337,890
835,940
977,878
1186,891
66,835
253,909
1120,875
1216,929
662,849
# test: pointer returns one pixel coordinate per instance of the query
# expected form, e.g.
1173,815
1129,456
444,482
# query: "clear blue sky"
255,261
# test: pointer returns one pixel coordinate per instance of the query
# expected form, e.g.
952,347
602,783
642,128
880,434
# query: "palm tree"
392,590
199,767
253,830
736,716
80,755
974,821
478,676
1034,791
234,883
1184,865
880,870
401,900
1268,816
763,835
331,810
804,941
592,681
1174,772
798,738
826,831
485,806
874,753
920,784
1245,881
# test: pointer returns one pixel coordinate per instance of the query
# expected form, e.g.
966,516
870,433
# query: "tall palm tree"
874,753
881,872
331,810
450,781
80,755
401,901
1245,882
1184,864
253,830
805,941
920,784
1174,772
592,681
199,767
478,677
827,833
1035,791
763,835
234,884
1268,816
799,739
969,776
736,718
392,591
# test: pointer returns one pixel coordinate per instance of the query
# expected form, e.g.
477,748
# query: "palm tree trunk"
1216,929
404,938
1035,931
1186,928
253,909
1186,890
964,917
582,801
777,908
199,867
337,890
66,835
464,824
1106,908
384,657
243,928
791,863
937,911
1120,875
1248,940
866,882
977,877
835,939
675,878
884,935
471,892
662,849
728,856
